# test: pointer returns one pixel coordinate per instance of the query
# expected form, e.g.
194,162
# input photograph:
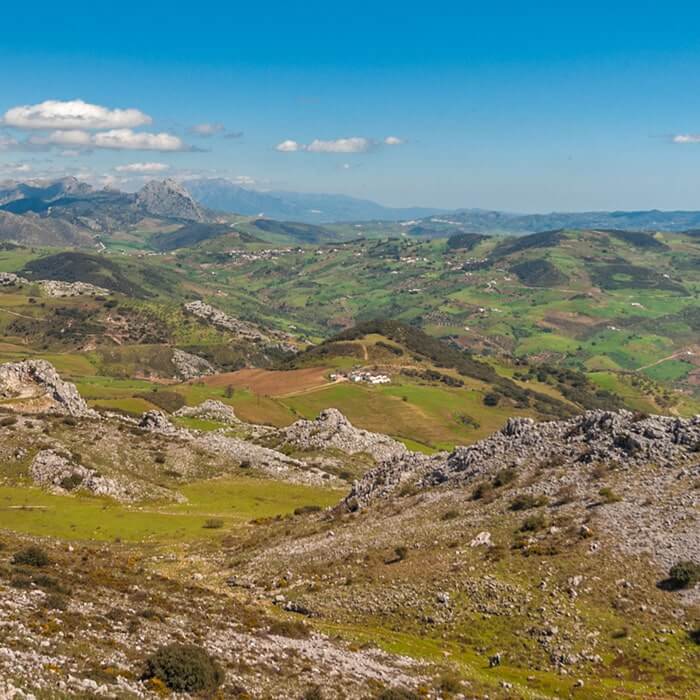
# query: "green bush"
184,668
213,524
684,574
31,556
526,500
533,523
302,510
491,399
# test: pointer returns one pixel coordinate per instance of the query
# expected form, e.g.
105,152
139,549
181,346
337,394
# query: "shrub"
313,693
401,552
450,514
70,420
504,476
533,523
608,495
213,524
482,490
31,556
8,420
56,601
302,510
526,500
159,458
684,574
184,668
294,629
68,483
491,399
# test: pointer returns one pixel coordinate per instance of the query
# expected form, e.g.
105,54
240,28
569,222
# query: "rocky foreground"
535,563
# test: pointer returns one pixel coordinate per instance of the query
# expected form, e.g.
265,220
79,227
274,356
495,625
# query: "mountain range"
73,213
222,195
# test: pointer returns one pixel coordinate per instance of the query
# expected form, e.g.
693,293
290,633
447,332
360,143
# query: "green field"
234,501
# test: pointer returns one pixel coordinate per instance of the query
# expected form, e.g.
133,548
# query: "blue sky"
518,107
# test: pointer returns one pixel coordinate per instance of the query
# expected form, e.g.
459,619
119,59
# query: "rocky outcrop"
271,462
36,386
61,473
218,318
157,422
10,279
169,199
209,410
191,366
620,438
332,430
243,329
57,288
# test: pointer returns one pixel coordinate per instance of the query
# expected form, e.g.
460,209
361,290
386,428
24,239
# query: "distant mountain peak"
170,199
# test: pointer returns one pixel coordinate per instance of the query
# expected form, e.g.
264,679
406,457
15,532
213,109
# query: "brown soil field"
272,382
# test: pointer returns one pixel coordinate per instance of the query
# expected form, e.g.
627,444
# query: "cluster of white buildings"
362,377
244,256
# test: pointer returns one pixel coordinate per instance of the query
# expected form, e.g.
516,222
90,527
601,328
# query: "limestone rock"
333,430
37,386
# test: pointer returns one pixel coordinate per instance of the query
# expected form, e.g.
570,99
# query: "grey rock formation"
243,329
157,422
57,288
191,366
269,461
35,383
61,473
210,410
622,438
169,199
332,430
222,320
10,279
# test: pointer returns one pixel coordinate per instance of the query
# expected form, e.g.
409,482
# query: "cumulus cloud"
208,129
72,114
686,138
289,146
353,144
142,168
233,134
114,139
350,144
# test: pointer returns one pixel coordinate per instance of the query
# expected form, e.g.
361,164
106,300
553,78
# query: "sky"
530,107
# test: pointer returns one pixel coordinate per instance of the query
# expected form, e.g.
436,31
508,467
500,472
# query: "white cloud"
7,143
142,168
72,114
244,180
114,139
126,139
289,146
350,144
16,168
353,144
686,138
208,129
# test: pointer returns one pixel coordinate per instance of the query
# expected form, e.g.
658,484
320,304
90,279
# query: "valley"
349,460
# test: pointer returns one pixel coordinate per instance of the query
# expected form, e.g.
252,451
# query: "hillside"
532,564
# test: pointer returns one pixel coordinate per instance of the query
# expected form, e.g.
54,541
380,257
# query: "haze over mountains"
70,212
